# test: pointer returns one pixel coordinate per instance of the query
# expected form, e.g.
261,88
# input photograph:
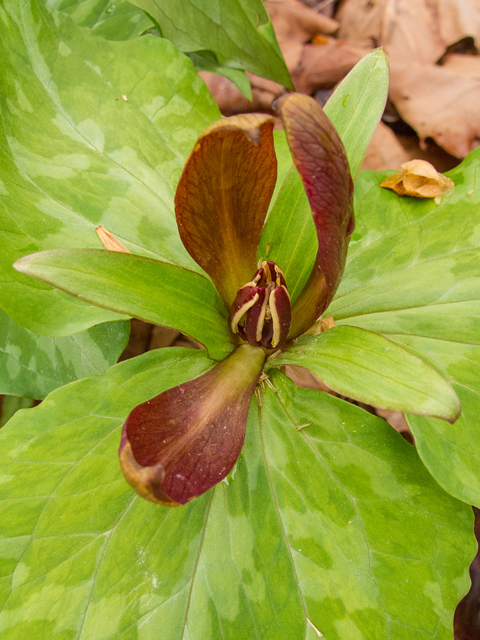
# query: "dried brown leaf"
419,178
417,31
326,63
457,19
360,19
460,65
294,21
384,150
438,104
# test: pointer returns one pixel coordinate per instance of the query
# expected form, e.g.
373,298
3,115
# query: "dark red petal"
320,158
223,196
187,439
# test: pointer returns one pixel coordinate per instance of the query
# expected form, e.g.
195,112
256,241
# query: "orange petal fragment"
109,241
223,196
419,178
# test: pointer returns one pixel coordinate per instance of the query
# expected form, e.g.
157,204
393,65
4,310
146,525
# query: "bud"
261,312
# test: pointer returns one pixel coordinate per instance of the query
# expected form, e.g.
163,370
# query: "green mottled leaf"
148,289
111,19
451,454
76,154
33,365
238,33
412,274
338,522
368,367
355,109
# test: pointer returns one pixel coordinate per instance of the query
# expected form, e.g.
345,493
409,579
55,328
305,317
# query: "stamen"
261,312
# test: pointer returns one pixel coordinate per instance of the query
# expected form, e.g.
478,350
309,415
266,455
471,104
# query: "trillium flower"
187,439
181,443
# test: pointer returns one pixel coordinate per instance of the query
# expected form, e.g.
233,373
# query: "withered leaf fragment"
420,179
109,241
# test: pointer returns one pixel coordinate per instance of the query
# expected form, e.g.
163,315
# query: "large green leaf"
111,19
121,20
357,104
238,33
368,367
33,365
337,522
148,289
355,108
451,454
76,154
412,274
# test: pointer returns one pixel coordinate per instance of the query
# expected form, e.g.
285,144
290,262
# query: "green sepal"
370,368
151,290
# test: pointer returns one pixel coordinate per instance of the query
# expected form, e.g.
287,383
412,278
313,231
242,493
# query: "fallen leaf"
411,32
294,25
438,104
465,66
294,21
360,19
326,63
384,151
457,19
395,419
419,178
417,31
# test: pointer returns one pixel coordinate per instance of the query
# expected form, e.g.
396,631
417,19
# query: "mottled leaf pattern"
338,522
33,365
111,19
95,132
412,274
238,33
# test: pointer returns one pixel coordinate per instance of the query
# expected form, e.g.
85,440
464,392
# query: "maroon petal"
320,158
186,440
223,196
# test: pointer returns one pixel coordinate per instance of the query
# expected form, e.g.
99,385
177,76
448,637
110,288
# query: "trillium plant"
200,493
181,443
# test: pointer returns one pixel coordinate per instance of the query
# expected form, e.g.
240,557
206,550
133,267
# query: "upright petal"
187,439
223,196
320,158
